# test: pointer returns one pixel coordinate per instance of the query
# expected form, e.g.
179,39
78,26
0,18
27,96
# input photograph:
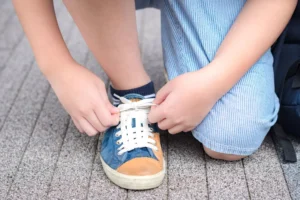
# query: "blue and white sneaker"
131,152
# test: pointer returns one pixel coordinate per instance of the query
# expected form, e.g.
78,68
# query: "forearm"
40,25
257,27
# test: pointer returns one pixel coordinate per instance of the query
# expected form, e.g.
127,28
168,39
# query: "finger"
162,94
157,114
77,125
95,122
87,127
165,124
112,109
176,129
105,117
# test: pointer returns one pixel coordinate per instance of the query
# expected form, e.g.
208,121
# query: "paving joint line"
93,163
14,100
246,179
278,156
11,16
31,66
58,156
59,10
34,126
205,167
47,94
11,52
86,58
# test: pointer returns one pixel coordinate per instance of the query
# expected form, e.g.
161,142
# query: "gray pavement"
43,156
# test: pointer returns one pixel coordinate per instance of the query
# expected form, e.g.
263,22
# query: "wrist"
220,77
52,67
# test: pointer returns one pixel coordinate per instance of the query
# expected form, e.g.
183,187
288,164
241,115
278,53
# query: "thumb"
112,109
116,118
162,94
114,112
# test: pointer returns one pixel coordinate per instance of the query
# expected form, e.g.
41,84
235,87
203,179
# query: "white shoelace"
139,136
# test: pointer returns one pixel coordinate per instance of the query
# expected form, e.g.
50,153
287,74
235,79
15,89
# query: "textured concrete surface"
186,168
6,16
6,13
43,156
264,175
226,180
292,170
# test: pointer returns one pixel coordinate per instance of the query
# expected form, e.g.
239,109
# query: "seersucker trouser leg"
192,32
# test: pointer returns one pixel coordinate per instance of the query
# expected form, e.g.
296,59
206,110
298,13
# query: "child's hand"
184,102
84,97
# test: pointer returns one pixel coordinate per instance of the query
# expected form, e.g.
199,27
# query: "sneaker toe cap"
141,167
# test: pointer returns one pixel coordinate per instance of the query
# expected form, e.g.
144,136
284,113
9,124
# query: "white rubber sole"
134,182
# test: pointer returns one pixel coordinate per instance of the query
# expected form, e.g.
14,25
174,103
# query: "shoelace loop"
140,135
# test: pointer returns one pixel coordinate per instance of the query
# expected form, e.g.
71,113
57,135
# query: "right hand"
84,97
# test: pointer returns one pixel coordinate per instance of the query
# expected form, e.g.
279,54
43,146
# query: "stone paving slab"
43,156
226,180
12,77
22,117
38,164
36,169
11,34
72,174
10,37
6,14
20,62
4,55
264,174
291,170
186,168
18,127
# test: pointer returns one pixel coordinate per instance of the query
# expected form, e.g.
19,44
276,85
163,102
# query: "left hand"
184,102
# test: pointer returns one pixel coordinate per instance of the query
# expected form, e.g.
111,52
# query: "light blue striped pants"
192,31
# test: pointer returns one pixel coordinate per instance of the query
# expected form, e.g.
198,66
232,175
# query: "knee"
222,156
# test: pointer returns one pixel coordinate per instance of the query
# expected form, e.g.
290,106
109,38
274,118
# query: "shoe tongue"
134,97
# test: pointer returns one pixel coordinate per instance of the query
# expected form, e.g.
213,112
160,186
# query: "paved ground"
43,156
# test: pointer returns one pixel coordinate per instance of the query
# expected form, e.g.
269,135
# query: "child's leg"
192,32
130,153
109,28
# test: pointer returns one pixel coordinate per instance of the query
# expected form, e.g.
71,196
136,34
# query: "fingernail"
116,110
117,120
